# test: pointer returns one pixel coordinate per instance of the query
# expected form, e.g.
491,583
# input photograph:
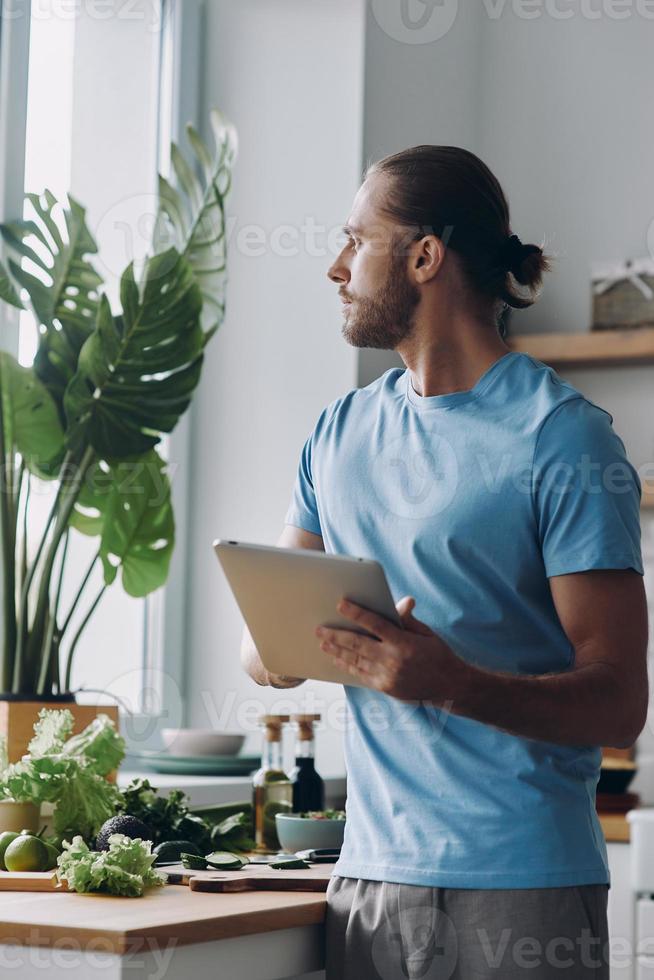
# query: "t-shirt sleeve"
303,508
586,493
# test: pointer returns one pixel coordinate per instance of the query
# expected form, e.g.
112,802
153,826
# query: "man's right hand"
291,537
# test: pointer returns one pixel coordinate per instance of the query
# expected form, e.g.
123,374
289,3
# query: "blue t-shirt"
470,501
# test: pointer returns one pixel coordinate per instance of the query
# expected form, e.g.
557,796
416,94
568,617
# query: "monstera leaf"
7,290
192,215
139,527
87,515
62,285
127,503
137,372
30,417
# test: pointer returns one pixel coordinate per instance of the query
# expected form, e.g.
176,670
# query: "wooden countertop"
172,913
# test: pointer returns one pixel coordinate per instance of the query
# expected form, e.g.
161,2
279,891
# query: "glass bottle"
272,789
308,787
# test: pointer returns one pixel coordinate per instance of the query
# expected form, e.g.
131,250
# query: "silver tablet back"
284,593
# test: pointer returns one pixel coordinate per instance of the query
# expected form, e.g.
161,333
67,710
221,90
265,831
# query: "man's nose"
338,271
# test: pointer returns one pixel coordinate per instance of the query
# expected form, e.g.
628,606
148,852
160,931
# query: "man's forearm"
255,669
584,706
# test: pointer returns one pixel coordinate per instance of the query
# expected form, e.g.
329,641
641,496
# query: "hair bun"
512,253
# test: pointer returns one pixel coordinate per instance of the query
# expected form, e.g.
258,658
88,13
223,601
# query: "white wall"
418,93
290,75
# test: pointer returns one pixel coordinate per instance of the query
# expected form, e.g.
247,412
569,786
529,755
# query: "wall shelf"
600,348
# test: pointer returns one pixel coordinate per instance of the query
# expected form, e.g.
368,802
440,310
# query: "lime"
6,838
26,853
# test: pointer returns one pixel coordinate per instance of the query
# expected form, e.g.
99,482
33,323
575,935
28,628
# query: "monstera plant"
90,412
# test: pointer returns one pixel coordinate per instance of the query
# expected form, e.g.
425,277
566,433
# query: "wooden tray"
256,876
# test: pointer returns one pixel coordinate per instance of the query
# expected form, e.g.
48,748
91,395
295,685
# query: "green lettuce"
69,772
50,731
124,869
100,745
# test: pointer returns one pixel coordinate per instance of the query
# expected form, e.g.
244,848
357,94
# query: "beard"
388,319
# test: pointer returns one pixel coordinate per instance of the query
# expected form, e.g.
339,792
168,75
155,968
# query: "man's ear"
427,258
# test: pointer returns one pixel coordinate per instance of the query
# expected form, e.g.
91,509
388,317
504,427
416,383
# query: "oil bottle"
308,787
272,789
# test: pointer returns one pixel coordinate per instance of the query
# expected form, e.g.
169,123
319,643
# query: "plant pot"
19,816
17,720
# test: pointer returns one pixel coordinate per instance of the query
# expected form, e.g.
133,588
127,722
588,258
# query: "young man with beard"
502,507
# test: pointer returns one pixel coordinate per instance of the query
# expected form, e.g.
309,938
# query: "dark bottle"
308,787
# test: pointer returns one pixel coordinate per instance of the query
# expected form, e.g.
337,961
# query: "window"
100,113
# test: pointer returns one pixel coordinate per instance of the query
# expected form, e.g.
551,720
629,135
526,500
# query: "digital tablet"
284,593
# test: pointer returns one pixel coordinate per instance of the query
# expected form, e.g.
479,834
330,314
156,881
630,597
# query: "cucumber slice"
172,850
193,862
225,861
289,864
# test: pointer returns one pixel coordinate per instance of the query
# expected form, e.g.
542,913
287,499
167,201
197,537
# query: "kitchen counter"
258,935
176,933
118,925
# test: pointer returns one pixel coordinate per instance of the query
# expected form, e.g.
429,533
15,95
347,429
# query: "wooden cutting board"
30,881
254,876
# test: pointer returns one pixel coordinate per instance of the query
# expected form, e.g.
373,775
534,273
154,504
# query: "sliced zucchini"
289,864
225,861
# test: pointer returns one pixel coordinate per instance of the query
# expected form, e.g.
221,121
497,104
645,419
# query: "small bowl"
615,775
297,833
201,742
19,816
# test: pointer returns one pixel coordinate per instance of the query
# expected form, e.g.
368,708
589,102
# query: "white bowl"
201,741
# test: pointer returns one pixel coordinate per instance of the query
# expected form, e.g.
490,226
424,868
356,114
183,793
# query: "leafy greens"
68,771
124,869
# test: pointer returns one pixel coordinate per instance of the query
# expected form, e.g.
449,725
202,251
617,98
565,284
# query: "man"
502,507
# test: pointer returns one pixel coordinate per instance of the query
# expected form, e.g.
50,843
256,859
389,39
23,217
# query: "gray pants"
377,930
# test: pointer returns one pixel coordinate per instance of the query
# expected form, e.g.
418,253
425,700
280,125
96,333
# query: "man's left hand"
411,664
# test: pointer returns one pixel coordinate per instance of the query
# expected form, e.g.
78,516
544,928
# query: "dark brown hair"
449,192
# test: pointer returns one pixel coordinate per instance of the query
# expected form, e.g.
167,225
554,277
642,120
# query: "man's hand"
410,664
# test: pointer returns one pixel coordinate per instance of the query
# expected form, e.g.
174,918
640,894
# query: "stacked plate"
199,752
